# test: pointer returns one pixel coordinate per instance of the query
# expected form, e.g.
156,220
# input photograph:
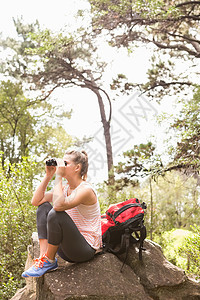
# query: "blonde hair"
80,157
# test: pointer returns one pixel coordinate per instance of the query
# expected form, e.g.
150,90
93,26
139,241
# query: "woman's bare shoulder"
90,196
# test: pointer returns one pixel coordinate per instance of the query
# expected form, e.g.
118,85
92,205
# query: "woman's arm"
81,195
58,195
40,196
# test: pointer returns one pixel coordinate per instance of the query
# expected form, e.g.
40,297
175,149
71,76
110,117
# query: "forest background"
119,79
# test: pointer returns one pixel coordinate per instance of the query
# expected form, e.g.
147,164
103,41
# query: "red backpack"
118,225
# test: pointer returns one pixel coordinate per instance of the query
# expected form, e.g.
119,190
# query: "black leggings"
59,229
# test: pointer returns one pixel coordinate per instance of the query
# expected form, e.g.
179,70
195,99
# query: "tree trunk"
106,129
151,201
3,153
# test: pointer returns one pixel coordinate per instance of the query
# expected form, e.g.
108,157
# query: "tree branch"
187,3
187,38
195,43
178,47
166,84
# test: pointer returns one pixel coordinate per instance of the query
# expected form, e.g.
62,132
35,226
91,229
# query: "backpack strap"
124,208
143,234
126,238
124,247
140,238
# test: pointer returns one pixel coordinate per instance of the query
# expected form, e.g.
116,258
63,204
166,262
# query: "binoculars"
53,162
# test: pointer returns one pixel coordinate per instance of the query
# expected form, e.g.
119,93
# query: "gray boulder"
100,279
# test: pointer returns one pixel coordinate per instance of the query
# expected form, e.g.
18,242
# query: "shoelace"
39,262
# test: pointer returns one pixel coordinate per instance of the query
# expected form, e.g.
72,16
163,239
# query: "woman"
71,226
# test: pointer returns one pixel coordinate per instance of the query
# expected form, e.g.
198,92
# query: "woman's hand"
60,170
50,171
40,196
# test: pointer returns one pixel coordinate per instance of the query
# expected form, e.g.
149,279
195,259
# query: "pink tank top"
87,219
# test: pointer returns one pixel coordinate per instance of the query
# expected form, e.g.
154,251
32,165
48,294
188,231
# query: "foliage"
140,161
60,60
172,201
182,248
108,194
175,209
67,57
163,23
136,163
121,85
25,128
16,225
182,151
191,248
186,152
167,78
169,27
172,242
175,202
14,66
53,59
16,123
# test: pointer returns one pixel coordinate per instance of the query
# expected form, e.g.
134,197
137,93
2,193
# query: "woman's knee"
62,216
44,208
42,213
51,215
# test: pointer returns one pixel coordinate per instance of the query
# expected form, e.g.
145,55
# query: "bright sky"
132,122
51,14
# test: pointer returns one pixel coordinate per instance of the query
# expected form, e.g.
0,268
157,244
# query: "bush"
191,248
172,242
16,224
182,248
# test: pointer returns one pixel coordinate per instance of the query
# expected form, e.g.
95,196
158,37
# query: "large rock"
161,279
101,279
154,269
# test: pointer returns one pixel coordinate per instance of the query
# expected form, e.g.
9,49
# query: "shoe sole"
42,274
51,270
